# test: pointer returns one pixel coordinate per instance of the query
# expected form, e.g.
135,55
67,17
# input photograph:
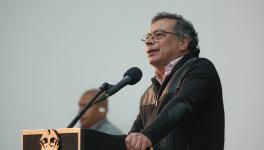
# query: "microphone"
131,77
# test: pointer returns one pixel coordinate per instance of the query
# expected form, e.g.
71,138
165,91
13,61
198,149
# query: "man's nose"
149,40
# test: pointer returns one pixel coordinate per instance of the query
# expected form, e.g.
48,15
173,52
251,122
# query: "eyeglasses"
157,35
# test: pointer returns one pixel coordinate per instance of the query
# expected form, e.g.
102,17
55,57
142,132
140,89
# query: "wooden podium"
71,139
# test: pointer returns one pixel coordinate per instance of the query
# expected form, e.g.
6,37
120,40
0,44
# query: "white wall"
52,51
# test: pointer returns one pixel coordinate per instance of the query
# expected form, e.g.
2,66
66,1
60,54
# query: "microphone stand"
104,87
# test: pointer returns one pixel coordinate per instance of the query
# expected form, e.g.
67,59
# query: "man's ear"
184,43
101,109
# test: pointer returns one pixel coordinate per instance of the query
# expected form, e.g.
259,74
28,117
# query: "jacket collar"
159,88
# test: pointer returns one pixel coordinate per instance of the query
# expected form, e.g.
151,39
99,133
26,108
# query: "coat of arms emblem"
50,140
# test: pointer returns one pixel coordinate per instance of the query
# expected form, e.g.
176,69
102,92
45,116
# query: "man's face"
91,115
167,48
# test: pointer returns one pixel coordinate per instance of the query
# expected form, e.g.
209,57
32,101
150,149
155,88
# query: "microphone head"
135,74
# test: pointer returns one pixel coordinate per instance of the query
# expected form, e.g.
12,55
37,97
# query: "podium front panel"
71,139
59,139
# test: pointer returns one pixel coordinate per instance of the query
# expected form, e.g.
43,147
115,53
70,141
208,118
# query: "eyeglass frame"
152,35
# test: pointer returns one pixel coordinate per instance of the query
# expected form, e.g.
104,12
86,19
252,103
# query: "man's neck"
97,120
98,123
163,72
160,72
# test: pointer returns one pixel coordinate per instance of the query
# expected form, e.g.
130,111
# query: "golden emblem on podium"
50,140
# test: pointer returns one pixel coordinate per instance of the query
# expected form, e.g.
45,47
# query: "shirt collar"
168,69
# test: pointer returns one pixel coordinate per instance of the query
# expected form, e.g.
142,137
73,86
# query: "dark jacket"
187,114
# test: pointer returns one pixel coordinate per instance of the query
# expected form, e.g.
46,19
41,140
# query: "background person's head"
95,113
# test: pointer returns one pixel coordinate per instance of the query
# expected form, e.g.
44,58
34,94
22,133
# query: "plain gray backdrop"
51,51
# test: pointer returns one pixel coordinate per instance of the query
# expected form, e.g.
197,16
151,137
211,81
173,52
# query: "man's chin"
85,126
153,61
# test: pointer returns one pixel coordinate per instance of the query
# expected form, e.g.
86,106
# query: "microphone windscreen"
135,74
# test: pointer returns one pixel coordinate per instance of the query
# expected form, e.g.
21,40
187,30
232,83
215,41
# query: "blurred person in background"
96,116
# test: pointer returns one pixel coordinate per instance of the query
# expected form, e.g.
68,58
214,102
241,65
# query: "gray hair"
184,28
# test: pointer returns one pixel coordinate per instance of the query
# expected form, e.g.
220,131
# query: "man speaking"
183,108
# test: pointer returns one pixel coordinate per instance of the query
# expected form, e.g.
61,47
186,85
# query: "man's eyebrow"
154,32
157,30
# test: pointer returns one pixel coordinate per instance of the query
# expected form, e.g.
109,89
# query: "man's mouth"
152,51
